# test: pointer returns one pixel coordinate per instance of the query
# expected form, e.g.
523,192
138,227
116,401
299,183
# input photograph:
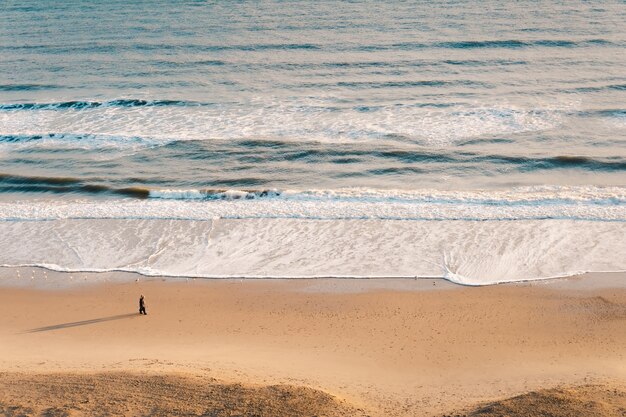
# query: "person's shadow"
81,323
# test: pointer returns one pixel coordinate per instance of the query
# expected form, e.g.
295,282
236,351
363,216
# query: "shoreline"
47,278
467,252
389,347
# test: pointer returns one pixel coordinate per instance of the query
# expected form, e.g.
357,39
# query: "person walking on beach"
142,306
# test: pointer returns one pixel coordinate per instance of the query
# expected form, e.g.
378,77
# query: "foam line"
604,204
468,253
455,279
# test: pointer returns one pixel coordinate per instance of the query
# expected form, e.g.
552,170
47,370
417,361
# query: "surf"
464,252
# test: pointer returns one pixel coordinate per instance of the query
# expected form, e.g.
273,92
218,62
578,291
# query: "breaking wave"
166,120
79,105
607,204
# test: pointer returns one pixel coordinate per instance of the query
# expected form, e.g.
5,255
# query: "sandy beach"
340,347
332,208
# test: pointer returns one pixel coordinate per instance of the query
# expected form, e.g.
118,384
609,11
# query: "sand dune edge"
586,400
132,394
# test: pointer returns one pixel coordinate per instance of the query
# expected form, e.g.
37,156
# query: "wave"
468,253
519,196
323,121
356,64
214,194
592,89
113,48
61,141
27,87
484,44
396,161
79,105
131,103
65,185
307,46
607,164
609,113
431,122
396,84
514,43
533,203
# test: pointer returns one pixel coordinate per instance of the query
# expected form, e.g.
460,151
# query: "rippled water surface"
291,94
336,111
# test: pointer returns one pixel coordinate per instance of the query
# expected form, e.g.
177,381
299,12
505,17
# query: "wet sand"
421,347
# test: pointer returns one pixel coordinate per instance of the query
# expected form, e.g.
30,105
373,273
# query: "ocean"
480,142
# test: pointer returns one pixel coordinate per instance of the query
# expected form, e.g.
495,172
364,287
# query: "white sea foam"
168,194
576,203
520,195
466,252
471,237
122,126
179,194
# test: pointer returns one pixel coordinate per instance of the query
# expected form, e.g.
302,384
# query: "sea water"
482,142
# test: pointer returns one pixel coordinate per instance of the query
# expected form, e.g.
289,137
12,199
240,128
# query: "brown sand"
121,394
124,394
587,401
388,351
